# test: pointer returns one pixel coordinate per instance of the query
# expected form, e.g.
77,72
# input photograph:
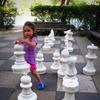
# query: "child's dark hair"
32,26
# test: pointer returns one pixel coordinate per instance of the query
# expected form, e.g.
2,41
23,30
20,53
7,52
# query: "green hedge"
45,32
86,13
7,15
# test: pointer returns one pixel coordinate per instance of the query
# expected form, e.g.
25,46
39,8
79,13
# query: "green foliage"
45,32
85,13
98,1
7,15
24,6
55,2
82,33
78,2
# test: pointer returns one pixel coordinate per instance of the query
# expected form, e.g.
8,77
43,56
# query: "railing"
51,25
95,34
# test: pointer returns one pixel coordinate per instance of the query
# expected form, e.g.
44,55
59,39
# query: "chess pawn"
70,81
21,67
56,64
89,69
27,93
40,66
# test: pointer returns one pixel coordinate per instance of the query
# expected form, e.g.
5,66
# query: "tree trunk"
62,2
2,2
65,2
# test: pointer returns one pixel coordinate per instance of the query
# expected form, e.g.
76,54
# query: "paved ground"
9,82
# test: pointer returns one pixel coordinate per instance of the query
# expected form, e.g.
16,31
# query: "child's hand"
18,42
23,40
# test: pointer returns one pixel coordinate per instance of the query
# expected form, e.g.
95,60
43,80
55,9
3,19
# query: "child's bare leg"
37,76
40,84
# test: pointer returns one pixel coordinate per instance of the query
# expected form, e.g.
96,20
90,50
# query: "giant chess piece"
70,81
89,69
69,36
50,42
71,69
21,67
46,45
52,35
66,40
51,38
64,65
40,66
56,64
68,31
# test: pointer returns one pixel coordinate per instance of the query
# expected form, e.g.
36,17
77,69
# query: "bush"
86,13
83,33
45,32
7,15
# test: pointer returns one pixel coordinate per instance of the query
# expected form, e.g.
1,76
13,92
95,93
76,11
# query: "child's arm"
31,43
18,42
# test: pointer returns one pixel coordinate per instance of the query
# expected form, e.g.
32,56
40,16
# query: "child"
29,40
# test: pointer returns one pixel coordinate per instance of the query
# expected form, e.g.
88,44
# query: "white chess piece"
56,64
21,67
64,57
46,44
70,81
41,69
69,37
50,41
89,69
51,35
27,93
51,38
66,32
71,69
66,39
62,70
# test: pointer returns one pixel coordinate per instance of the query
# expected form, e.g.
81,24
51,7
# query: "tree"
98,1
65,2
7,14
2,2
